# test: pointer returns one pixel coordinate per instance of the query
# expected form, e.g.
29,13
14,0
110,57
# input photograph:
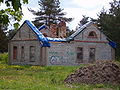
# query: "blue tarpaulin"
113,44
42,27
45,40
41,37
56,39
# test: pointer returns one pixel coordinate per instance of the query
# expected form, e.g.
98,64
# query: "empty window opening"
79,54
22,53
32,53
92,55
15,52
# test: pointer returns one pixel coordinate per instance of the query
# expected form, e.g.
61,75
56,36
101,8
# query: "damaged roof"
45,40
80,29
40,36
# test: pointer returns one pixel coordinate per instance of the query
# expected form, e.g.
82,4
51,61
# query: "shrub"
4,58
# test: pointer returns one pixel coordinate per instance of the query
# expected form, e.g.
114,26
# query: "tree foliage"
3,41
83,20
15,4
9,14
50,12
12,13
109,23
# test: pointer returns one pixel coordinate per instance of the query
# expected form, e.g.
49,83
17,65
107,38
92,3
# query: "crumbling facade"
55,30
86,45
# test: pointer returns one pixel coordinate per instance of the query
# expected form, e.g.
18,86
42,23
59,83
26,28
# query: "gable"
28,31
91,33
27,26
46,32
24,32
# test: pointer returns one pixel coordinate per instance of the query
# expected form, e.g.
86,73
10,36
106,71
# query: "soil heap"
105,72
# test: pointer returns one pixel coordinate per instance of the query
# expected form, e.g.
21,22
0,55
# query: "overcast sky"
74,9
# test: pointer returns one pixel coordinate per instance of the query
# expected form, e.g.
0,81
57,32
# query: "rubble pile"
105,72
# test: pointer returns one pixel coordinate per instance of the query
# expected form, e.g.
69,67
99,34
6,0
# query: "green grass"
15,77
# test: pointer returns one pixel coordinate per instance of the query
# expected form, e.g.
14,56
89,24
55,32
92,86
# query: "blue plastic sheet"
113,44
70,37
56,39
45,42
42,27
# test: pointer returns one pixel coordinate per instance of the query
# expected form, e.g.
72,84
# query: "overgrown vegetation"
15,77
109,23
4,58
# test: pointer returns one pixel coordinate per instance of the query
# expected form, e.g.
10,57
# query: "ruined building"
86,45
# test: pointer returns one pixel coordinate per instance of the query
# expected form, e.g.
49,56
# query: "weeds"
26,77
4,58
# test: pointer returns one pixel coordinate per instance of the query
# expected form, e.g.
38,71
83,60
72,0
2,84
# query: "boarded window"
92,55
79,54
14,52
32,53
22,53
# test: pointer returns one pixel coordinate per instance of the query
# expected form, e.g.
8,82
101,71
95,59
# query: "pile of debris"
105,72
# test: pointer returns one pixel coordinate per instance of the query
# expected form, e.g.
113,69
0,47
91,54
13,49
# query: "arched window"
92,34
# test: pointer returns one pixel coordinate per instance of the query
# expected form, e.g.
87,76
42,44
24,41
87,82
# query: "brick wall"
65,53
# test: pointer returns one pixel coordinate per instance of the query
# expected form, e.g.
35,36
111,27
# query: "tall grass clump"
4,58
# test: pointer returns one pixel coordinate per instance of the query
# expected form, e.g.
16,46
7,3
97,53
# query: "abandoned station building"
45,46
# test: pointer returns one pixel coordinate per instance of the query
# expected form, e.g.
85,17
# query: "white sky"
74,9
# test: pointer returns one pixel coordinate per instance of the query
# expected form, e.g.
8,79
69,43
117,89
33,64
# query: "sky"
73,8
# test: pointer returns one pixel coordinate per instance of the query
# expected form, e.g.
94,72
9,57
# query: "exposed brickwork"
55,30
60,53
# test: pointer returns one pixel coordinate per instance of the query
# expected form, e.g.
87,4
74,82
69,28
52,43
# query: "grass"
15,77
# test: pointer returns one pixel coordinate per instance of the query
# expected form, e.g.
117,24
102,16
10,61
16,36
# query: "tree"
69,32
13,12
50,12
109,23
3,41
16,4
8,15
83,21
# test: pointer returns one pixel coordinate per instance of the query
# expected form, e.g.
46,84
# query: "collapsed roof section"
45,40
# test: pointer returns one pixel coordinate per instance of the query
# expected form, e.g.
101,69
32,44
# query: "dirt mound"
106,72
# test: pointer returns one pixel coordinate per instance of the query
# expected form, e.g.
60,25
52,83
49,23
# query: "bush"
4,58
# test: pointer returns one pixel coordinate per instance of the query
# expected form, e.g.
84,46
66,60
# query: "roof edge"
40,36
80,29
